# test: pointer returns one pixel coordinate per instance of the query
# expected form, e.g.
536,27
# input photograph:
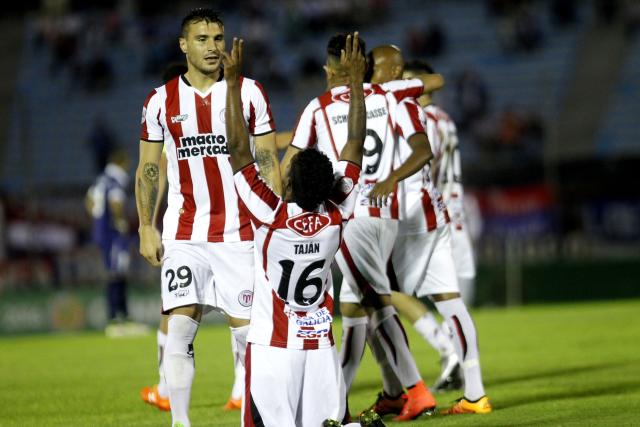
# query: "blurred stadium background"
546,95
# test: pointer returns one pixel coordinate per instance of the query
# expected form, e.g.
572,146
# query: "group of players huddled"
370,178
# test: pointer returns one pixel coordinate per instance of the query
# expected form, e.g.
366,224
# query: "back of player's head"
418,66
200,14
311,178
173,70
338,43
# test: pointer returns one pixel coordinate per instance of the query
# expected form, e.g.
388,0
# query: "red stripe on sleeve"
259,188
188,210
144,132
325,100
414,115
272,122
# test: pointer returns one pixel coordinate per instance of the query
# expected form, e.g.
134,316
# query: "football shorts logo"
245,298
308,224
179,118
344,96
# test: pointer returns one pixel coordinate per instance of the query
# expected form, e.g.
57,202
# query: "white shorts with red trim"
218,275
462,252
423,263
289,388
364,253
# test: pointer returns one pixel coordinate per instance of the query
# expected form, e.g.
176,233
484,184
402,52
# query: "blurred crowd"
47,239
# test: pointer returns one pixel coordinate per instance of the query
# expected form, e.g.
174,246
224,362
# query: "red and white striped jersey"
448,172
323,124
422,204
202,203
446,152
294,249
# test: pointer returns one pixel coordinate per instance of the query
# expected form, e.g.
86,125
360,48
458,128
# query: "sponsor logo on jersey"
308,224
245,298
179,118
202,145
344,96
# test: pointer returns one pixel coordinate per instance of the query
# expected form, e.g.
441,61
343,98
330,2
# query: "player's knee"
193,311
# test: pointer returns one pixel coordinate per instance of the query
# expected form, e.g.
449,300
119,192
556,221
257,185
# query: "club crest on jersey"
179,118
308,224
245,298
344,96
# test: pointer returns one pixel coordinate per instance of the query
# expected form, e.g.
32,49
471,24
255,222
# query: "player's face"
203,46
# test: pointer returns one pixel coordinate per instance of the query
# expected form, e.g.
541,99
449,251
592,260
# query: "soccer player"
447,175
422,260
105,202
293,374
369,237
207,245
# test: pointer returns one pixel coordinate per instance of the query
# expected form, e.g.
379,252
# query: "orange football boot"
152,397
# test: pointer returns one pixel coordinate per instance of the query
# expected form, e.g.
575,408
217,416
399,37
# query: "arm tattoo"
147,186
265,163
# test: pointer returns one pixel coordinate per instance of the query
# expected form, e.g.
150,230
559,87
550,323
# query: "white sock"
430,330
163,391
354,337
238,367
179,365
390,382
240,335
393,340
465,341
467,290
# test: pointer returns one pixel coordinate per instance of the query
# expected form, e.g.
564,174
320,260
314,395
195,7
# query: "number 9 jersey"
294,249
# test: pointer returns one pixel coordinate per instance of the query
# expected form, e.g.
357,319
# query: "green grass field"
543,365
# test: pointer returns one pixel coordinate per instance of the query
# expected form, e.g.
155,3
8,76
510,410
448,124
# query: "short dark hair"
173,70
338,42
311,178
200,14
419,66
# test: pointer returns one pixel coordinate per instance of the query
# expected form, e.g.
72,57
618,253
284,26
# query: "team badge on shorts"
245,298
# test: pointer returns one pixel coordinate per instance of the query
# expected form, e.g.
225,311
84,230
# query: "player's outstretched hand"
150,245
380,193
233,61
353,59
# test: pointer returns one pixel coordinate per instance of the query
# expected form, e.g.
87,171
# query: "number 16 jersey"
294,249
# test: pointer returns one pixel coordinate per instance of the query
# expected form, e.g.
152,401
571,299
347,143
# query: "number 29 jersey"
294,249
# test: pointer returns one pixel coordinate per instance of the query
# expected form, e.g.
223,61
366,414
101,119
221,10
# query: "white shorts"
364,254
290,388
462,253
218,275
423,263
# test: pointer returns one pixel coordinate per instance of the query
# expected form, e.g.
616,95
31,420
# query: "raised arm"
147,190
267,160
353,60
237,133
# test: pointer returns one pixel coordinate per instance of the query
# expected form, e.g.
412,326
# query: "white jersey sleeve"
304,134
409,119
261,201
401,89
344,196
260,118
151,128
